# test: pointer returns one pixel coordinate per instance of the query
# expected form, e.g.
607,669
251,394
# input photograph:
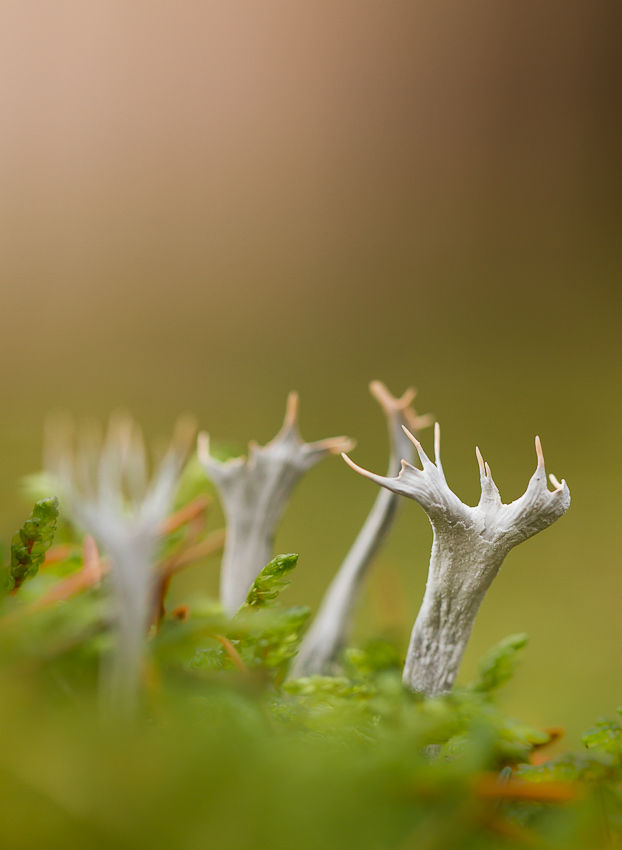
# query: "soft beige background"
206,204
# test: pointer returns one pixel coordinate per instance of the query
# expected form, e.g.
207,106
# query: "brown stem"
184,515
232,652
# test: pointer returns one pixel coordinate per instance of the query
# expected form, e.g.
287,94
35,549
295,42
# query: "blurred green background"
204,205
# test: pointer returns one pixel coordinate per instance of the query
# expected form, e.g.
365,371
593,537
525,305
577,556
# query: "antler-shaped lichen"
254,492
108,492
469,546
328,633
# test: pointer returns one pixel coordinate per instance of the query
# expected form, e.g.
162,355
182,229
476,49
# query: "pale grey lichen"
254,493
109,492
469,546
320,649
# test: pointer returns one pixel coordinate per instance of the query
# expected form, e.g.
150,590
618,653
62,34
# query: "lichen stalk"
108,491
323,643
254,492
468,549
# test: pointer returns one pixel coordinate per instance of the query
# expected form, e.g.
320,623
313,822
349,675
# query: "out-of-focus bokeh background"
204,205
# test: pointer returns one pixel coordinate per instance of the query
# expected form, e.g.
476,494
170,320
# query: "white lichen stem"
469,546
254,493
109,493
323,643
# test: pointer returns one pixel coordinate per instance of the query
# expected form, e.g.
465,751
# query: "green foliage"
499,664
230,753
269,638
605,739
30,543
322,687
598,769
377,654
261,635
271,581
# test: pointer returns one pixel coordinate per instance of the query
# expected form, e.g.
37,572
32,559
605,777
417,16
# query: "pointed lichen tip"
250,457
480,461
120,430
331,445
539,452
353,465
383,395
334,445
412,438
203,446
377,387
364,472
407,397
437,443
388,401
556,483
418,423
291,409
